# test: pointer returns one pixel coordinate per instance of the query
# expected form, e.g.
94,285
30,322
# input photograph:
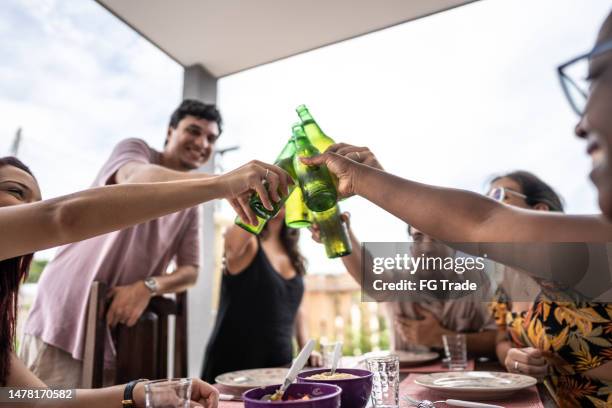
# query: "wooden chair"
180,336
95,326
142,350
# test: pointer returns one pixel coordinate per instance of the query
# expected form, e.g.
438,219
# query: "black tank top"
256,319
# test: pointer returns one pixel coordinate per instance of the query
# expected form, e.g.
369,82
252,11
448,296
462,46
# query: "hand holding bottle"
344,161
240,183
358,154
315,231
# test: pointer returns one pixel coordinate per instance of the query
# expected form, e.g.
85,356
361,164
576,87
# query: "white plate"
244,380
476,385
408,358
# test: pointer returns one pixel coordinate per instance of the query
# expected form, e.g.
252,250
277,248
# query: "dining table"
478,364
546,397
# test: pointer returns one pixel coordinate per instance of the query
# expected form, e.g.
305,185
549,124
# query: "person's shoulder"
132,142
135,148
127,150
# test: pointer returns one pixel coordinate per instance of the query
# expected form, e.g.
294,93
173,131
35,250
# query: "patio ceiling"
228,36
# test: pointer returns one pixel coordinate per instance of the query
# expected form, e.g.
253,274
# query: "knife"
229,397
336,358
297,365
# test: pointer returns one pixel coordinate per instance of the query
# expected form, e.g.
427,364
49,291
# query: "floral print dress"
575,336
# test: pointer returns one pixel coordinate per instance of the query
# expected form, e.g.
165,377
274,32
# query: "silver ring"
358,155
516,367
267,172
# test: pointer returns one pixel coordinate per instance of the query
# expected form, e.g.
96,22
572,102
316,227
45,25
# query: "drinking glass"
455,348
327,351
169,393
385,383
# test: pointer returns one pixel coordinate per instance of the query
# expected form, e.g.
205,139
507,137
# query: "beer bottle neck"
287,152
304,115
301,142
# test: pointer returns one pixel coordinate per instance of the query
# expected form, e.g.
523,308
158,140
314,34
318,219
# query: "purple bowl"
321,396
355,391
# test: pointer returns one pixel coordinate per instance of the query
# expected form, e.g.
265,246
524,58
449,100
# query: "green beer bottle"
315,181
314,133
333,232
316,136
285,162
297,214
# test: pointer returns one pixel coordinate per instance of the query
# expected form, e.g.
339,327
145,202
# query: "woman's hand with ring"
240,183
528,361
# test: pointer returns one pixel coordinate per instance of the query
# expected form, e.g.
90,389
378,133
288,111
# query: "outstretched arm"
453,215
135,172
30,227
459,216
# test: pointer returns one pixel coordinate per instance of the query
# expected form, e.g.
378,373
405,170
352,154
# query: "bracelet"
128,398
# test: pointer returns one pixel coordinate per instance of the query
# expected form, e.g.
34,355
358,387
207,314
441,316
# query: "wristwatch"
151,284
128,397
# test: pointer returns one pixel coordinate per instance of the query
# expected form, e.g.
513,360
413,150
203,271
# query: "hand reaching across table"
345,162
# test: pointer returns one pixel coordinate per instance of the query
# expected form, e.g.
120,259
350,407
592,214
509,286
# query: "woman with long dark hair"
28,224
259,308
582,375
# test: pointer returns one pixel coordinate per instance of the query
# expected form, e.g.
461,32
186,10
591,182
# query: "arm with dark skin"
475,218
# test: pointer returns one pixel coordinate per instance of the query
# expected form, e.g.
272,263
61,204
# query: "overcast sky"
450,99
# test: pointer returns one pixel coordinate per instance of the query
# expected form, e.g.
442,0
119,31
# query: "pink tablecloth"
228,404
528,398
231,404
435,367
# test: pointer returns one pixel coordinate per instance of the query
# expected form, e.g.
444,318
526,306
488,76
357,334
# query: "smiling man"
132,262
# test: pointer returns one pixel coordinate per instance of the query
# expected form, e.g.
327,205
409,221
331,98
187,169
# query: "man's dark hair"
201,110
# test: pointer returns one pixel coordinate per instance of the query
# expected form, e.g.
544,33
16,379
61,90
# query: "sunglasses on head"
502,193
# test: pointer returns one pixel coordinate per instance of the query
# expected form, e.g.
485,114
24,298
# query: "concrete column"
200,84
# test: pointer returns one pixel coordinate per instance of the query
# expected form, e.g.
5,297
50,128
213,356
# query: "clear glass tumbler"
385,385
455,348
327,352
169,393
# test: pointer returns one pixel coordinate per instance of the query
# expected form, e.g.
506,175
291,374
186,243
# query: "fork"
452,402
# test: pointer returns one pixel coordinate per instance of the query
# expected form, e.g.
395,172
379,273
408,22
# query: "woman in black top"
261,293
